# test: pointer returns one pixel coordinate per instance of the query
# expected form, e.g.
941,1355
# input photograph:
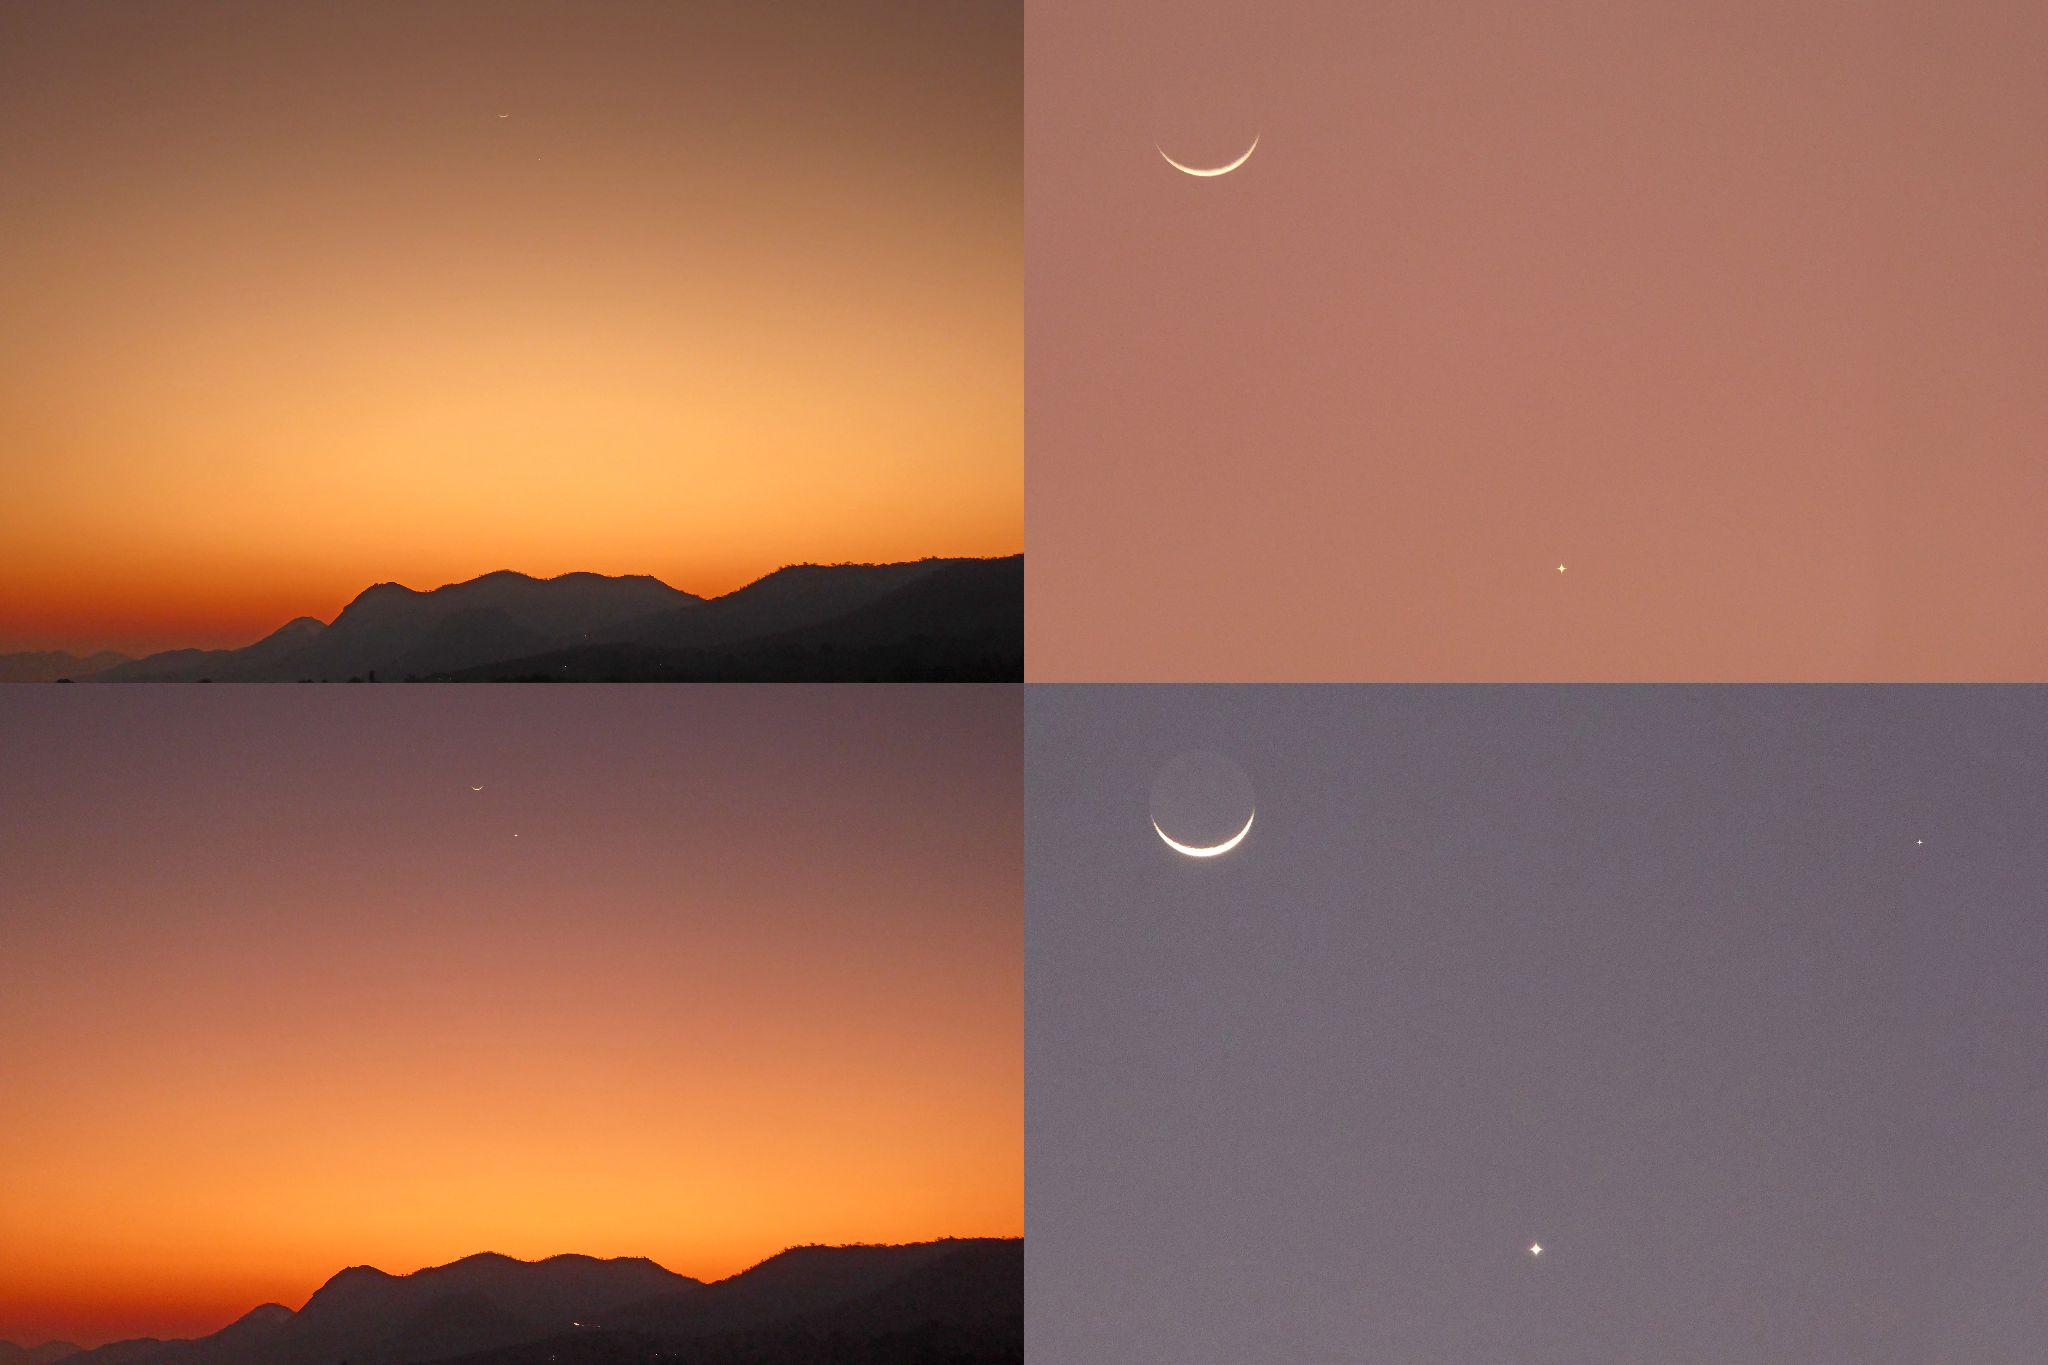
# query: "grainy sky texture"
297,298
1735,310
700,973
1730,998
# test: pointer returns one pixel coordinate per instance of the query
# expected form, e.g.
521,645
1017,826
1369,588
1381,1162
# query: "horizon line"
516,1260
85,654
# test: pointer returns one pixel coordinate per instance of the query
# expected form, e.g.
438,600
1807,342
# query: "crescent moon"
1219,170
1213,850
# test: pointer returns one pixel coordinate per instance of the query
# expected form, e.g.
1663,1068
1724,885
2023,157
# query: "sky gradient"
1732,309
701,973
300,298
1729,997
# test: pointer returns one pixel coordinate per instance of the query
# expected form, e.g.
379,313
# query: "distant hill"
46,1354
189,665
396,632
48,666
932,620
950,1302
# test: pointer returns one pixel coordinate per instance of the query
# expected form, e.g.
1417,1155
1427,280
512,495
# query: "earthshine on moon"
1206,800
1218,170
1213,850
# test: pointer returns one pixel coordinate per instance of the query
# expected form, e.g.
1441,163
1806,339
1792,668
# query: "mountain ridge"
51,665
954,619
497,1308
961,621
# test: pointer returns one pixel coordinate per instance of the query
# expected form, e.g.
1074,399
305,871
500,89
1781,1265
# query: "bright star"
1560,568
1535,1248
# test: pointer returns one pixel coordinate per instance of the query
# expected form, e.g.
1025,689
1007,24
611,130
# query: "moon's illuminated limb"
1219,170
1214,850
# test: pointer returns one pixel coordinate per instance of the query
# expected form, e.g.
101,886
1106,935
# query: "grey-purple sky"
1731,998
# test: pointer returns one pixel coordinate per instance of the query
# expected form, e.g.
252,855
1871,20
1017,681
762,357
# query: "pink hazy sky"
1734,310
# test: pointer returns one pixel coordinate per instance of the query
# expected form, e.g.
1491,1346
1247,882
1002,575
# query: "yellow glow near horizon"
292,310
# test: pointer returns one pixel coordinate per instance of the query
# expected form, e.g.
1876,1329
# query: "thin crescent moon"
1213,850
1219,170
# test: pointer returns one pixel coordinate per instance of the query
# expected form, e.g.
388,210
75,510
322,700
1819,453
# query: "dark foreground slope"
942,1303
935,1303
955,621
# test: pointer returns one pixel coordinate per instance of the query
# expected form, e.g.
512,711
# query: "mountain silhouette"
936,1303
932,620
951,621
397,632
957,1301
187,665
49,665
790,598
801,1283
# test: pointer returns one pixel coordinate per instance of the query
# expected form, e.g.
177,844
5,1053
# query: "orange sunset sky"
699,974
299,298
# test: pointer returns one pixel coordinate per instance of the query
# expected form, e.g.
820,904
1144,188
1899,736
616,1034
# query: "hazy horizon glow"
197,1322
699,974
292,309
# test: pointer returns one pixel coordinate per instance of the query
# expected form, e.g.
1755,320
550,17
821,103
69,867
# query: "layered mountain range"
954,1302
933,620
